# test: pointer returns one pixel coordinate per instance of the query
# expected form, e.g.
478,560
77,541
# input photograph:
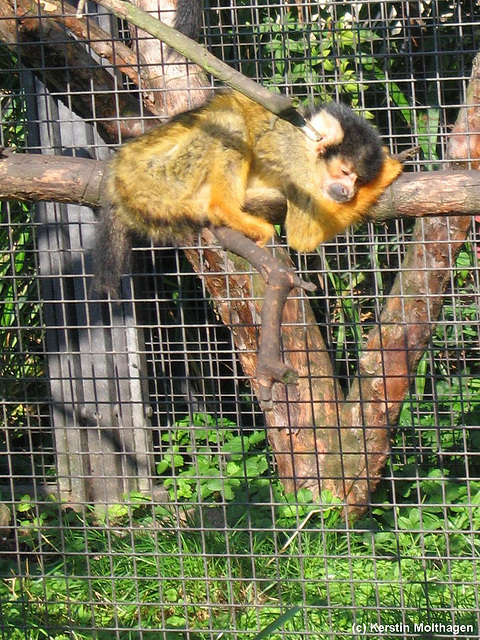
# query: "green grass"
416,561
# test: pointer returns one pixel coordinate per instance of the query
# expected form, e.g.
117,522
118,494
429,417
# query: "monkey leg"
251,226
228,183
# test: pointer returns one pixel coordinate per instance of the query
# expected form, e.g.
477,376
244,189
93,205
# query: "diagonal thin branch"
279,105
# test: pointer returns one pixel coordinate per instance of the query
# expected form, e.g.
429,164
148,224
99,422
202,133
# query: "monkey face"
340,180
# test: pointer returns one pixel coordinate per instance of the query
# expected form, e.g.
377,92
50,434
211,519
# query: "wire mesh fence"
143,491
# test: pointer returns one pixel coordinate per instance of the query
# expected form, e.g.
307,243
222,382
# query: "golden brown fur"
196,170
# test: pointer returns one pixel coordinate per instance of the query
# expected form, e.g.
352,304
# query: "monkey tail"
188,17
112,251
188,20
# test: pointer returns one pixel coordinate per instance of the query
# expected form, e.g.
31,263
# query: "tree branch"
116,52
79,180
438,193
70,69
34,177
279,105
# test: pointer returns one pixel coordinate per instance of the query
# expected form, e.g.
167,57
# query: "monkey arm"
269,204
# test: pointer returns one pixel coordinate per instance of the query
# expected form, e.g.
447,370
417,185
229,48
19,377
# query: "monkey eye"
345,172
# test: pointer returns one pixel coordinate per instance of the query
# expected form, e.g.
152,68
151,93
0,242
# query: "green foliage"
20,336
207,459
285,45
147,564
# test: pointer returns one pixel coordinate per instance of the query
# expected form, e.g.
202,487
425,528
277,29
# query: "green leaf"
234,469
24,505
176,621
215,484
276,624
162,466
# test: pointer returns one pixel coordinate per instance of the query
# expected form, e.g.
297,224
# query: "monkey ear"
322,145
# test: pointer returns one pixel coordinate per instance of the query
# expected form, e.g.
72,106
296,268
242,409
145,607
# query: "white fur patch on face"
329,129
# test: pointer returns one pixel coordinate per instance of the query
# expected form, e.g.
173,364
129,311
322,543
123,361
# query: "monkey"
197,169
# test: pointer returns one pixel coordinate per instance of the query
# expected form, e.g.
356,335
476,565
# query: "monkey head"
350,151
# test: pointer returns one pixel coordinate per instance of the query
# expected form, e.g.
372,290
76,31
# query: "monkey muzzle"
338,192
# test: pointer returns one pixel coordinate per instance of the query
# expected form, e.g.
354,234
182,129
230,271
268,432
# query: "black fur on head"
361,144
